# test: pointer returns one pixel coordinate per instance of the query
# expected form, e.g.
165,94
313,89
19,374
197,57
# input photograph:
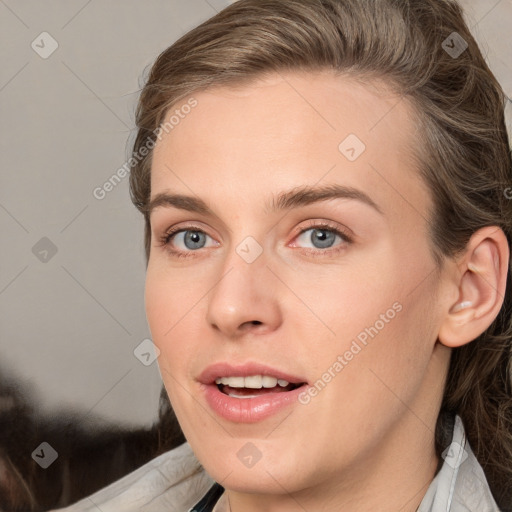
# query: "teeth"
252,381
269,382
235,382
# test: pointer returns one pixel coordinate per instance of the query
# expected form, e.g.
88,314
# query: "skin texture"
366,441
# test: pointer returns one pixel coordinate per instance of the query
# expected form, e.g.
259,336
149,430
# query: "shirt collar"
460,485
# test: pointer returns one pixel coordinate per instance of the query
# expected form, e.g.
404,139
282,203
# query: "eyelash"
332,227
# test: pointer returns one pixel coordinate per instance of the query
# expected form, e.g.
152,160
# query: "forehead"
310,126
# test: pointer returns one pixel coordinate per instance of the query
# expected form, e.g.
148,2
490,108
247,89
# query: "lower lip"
249,410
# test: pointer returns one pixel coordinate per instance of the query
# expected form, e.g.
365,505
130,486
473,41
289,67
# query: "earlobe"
480,287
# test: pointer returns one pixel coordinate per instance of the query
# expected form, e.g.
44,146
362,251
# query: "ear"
480,279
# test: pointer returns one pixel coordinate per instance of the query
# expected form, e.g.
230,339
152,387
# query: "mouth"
249,393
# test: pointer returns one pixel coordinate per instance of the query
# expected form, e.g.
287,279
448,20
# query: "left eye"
322,237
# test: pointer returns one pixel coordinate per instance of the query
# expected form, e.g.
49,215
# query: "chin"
244,465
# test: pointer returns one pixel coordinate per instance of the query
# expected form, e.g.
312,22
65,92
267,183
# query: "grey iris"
194,237
326,239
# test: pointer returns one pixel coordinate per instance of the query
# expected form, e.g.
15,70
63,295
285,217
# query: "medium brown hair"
463,152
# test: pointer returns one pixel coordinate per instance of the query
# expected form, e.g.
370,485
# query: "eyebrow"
287,200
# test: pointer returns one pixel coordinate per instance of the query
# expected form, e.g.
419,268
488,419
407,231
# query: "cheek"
170,296
398,340
383,327
158,304
165,312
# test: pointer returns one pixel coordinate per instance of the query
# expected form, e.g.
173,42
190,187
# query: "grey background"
69,324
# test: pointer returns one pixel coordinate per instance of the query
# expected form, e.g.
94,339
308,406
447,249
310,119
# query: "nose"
245,299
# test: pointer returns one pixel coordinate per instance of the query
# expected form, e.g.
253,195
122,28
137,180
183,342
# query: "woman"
324,185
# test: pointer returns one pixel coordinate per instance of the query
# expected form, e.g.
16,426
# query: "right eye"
191,238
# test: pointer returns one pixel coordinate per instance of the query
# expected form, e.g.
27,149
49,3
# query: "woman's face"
332,291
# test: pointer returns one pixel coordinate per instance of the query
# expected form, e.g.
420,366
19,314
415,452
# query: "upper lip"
225,369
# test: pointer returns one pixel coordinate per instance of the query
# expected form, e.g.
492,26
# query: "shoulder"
174,480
